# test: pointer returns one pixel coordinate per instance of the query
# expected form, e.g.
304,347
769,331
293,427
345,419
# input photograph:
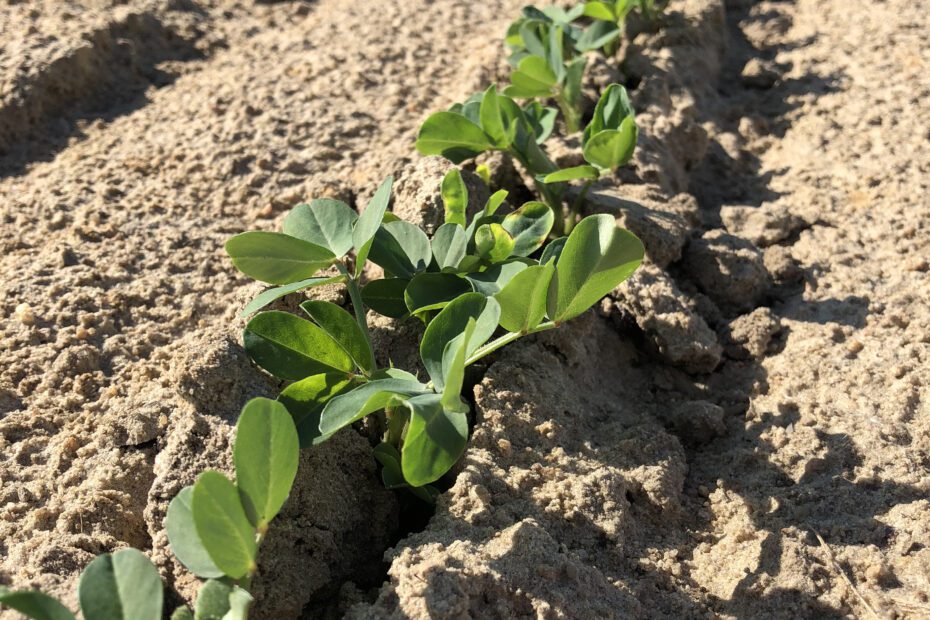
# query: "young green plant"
475,284
545,60
608,142
214,527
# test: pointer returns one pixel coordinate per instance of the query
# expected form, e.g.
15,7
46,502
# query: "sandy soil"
742,430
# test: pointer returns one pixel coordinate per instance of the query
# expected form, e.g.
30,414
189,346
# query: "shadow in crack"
755,101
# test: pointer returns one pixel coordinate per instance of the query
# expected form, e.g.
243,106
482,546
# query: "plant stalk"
494,345
361,313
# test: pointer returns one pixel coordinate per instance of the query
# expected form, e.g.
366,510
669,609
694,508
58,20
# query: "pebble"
24,313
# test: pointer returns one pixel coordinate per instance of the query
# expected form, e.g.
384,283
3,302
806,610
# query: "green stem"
535,161
494,345
361,313
572,116
577,204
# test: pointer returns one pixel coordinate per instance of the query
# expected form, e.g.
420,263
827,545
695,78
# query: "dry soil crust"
742,430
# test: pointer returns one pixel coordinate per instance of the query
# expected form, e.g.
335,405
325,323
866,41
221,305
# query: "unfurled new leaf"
493,242
449,245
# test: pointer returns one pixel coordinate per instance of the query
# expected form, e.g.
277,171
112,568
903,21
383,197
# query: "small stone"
853,346
24,314
759,73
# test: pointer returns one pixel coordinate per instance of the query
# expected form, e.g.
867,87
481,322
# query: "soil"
740,430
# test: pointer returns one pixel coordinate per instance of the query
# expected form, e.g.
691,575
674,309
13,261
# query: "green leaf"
449,245
212,600
492,123
182,613
368,223
435,440
386,296
599,10
290,347
401,248
218,600
182,535
277,258
366,398
541,119
305,400
523,300
454,369
454,197
266,455
391,473
452,321
529,226
223,526
552,251
597,35
574,74
453,136
239,603
429,291
493,242
266,297
596,258
490,281
34,604
342,327
495,201
612,108
572,174
611,148
121,586
324,222
533,78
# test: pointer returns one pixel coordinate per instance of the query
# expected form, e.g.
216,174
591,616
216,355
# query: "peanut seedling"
471,281
214,527
546,63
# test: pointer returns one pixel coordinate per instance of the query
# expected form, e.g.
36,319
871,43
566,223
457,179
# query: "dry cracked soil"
742,430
